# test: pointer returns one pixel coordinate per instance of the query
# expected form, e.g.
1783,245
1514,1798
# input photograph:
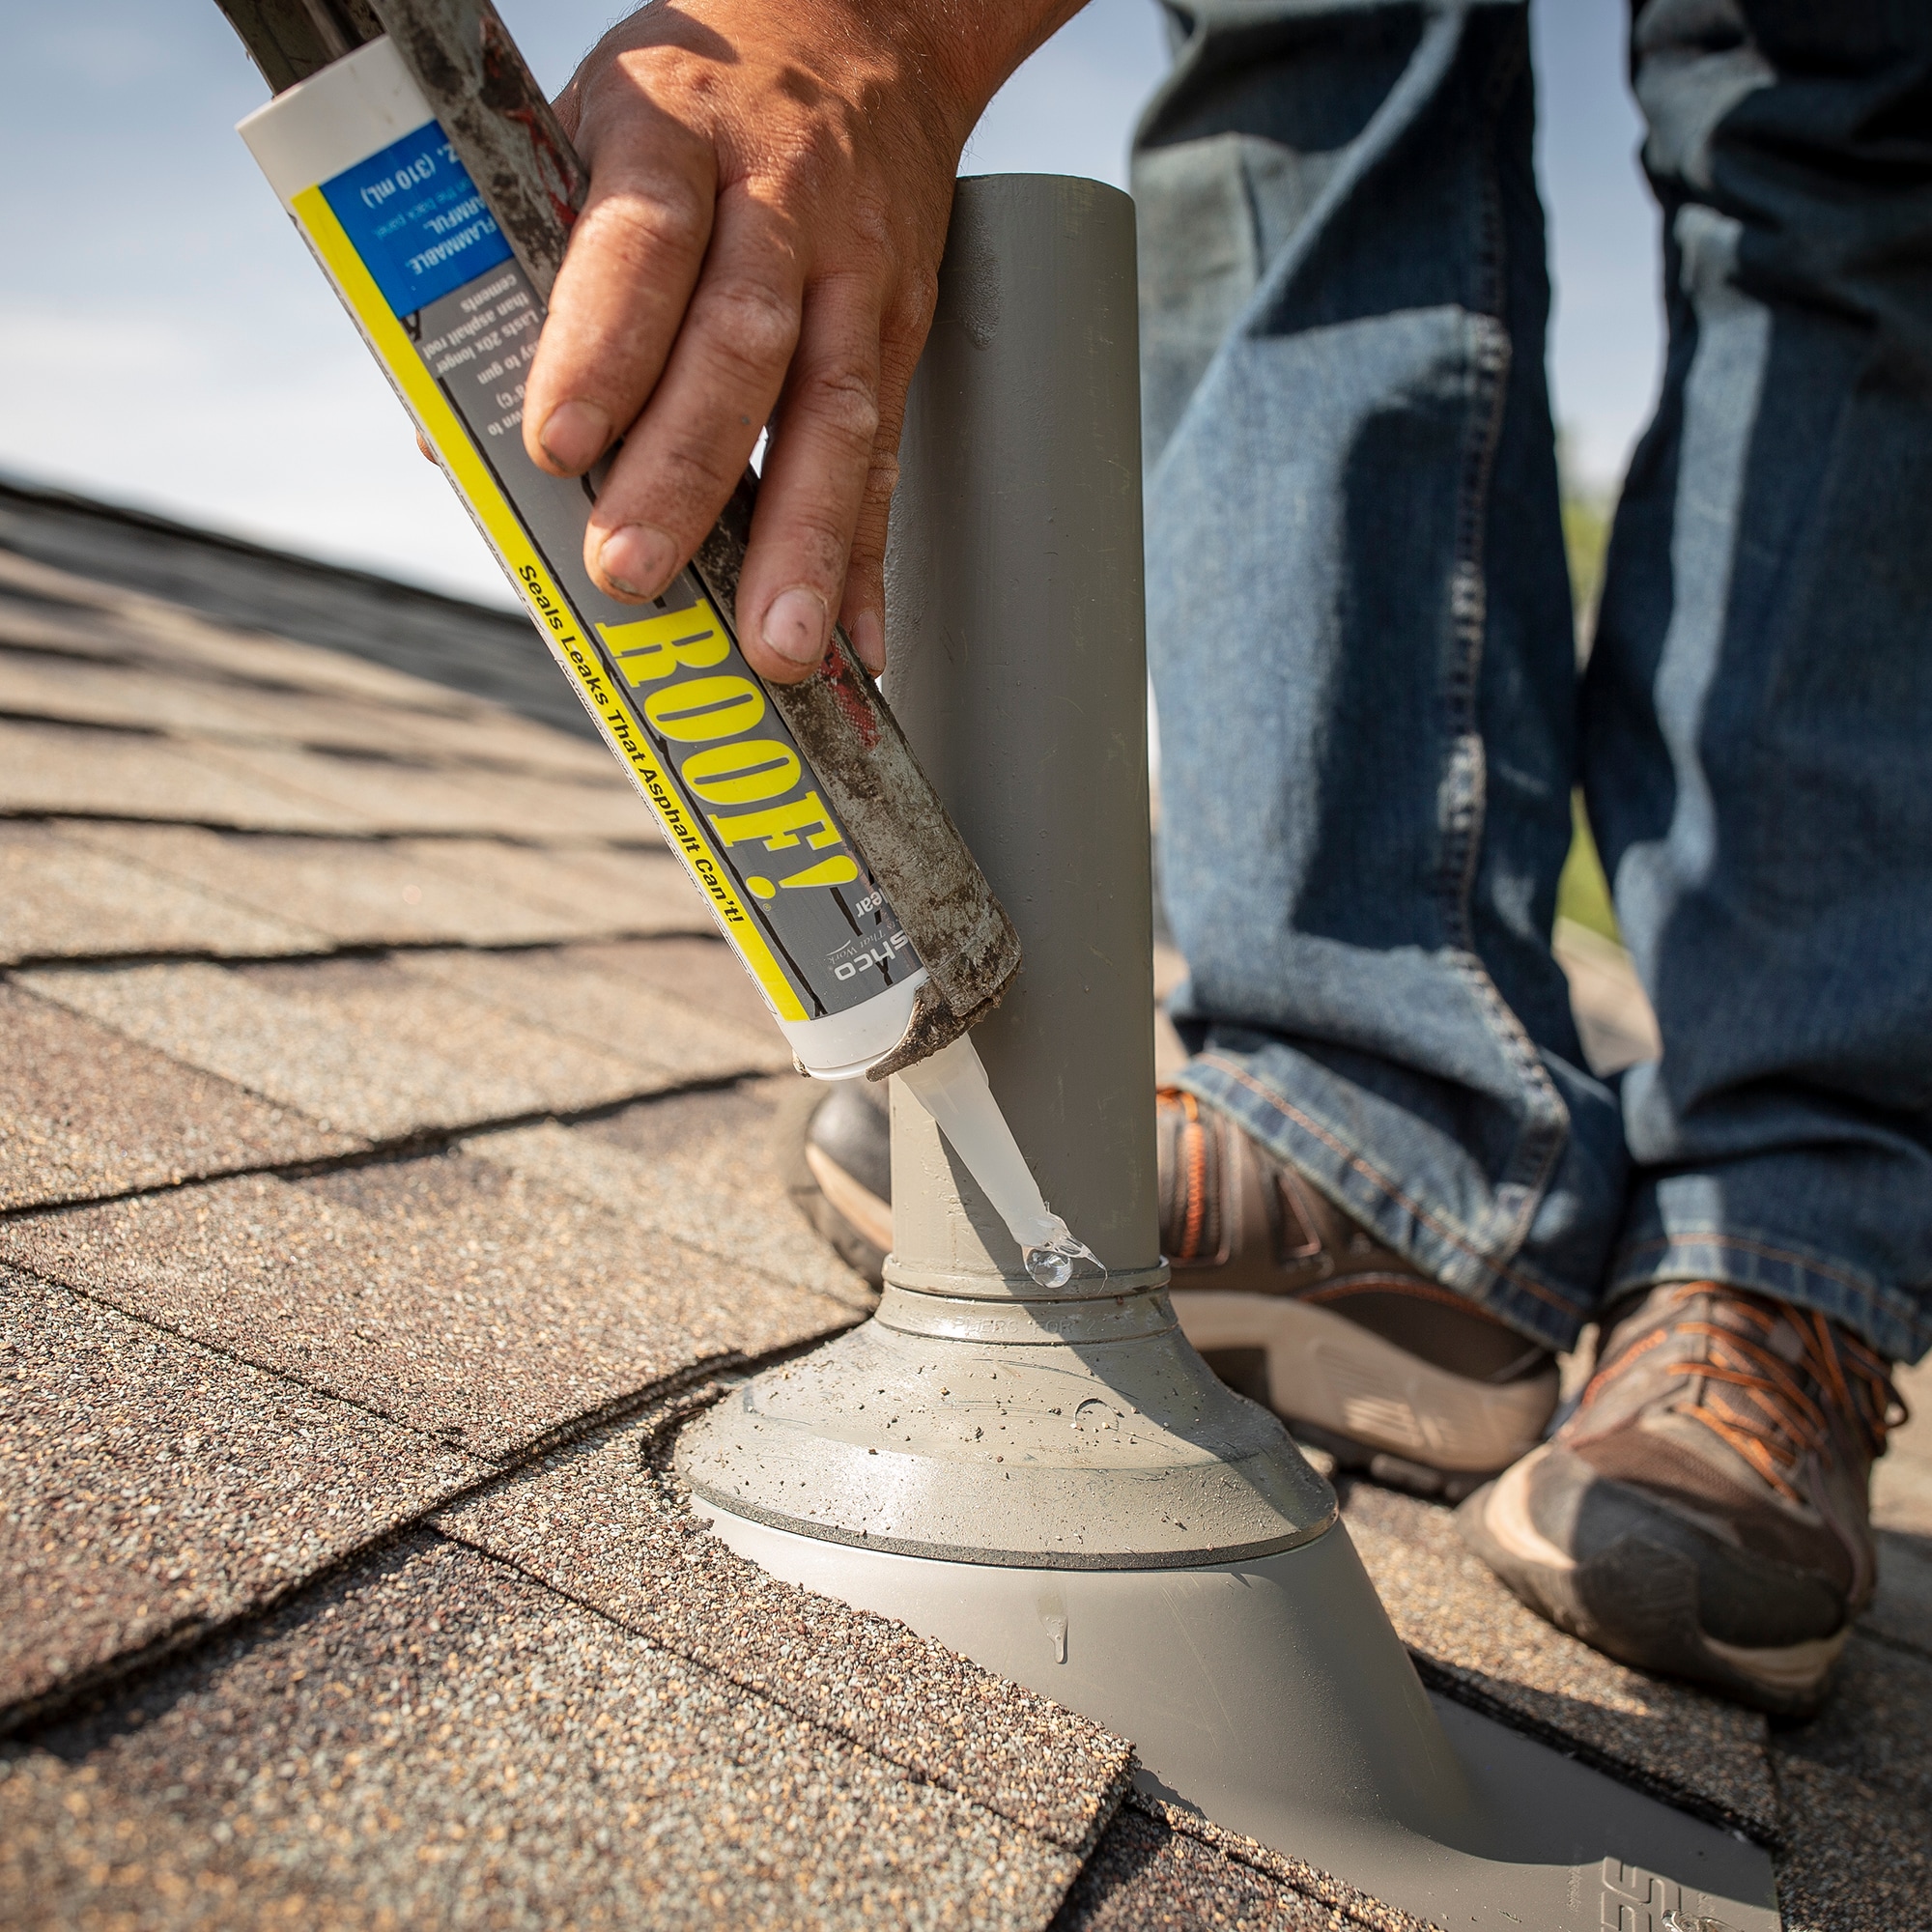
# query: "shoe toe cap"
1652,1585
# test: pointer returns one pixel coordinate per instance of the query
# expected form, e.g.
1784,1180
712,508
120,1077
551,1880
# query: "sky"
170,345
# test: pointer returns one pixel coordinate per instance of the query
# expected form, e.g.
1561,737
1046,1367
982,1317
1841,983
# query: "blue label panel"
414,216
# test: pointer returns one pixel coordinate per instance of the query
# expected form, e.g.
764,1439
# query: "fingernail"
795,625
868,640
637,559
574,434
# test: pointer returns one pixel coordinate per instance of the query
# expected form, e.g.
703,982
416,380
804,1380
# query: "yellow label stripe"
553,614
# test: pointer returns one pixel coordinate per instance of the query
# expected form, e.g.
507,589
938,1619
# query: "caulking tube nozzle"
953,1086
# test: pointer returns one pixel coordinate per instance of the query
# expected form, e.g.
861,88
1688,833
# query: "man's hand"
770,187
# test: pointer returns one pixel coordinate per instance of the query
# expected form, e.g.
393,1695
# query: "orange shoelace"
1776,1418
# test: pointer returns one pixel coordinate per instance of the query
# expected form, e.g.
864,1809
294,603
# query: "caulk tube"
378,193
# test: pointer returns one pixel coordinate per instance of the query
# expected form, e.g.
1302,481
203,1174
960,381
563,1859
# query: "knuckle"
843,401
882,478
872,221
643,221
869,546
909,314
683,495
692,482
675,484
825,554
813,155
815,538
750,324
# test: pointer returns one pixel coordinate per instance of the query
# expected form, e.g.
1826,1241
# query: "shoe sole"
1636,1602
1330,1375
871,1216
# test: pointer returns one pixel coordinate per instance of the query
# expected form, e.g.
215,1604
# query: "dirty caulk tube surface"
378,193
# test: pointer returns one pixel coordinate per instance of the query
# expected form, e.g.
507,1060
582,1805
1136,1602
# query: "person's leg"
1758,722
1359,626
1759,704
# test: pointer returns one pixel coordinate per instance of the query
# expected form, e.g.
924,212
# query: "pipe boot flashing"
1051,1481
979,1416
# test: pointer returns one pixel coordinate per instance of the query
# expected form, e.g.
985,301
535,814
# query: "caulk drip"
1051,1262
952,1086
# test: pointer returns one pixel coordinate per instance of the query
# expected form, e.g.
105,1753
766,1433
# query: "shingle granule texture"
153,1487
68,898
43,684
699,1167
451,1149
1857,1785
423,1003
345,1068
114,688
690,969
1474,1640
47,609
1878,1726
435,1740
383,1048
657,1000
351,793
1902,1609
1855,1859
600,1521
442,1292
352,892
1158,1869
72,770
609,890
136,661
87,770
478,735
84,1112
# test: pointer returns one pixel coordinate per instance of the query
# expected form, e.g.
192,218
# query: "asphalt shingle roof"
156,1487
86,1112
436,1739
389,1163
1160,1869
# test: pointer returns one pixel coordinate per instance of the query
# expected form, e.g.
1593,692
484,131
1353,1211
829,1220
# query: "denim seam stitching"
1873,1298
1540,1145
1658,1242
1367,1169
1862,1285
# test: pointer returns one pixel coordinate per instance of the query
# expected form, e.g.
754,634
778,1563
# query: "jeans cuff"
1325,1154
1898,1327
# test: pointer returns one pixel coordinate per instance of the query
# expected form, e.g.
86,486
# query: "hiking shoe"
1295,1304
1705,1512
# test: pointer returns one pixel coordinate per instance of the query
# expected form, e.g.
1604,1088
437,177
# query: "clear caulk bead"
1048,1268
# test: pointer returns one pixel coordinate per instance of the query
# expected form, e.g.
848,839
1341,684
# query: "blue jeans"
1360,629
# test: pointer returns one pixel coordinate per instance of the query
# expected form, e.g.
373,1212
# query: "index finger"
620,296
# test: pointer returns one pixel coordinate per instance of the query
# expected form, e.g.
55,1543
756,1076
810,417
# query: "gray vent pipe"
1052,1481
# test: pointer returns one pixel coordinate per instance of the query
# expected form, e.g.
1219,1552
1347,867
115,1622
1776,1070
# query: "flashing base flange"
1272,1696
